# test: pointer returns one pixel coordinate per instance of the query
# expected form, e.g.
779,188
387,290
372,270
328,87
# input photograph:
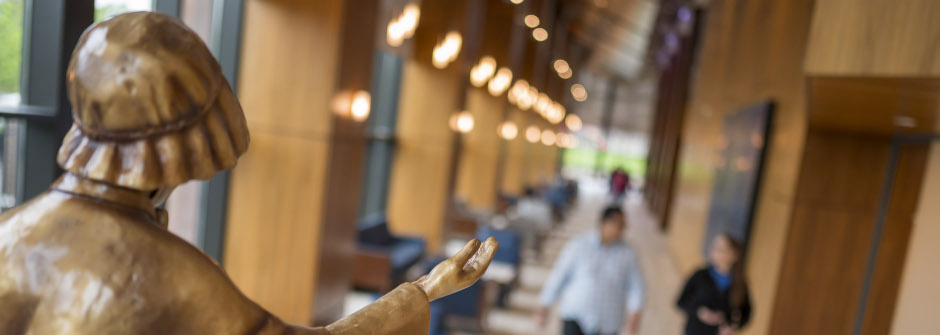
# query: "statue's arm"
405,310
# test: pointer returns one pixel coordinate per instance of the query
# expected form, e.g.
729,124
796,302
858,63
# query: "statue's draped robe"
91,258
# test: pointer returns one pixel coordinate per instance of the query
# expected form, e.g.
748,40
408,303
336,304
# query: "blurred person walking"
619,184
597,281
716,299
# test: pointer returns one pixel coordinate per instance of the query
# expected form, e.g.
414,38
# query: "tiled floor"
662,278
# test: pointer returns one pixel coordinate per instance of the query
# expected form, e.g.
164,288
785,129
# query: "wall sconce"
403,27
483,71
531,21
540,34
446,51
573,122
578,92
508,130
352,105
548,137
532,134
500,81
461,122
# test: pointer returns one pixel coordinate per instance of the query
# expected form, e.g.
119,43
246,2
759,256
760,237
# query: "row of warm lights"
538,33
508,131
403,27
446,50
483,71
562,68
525,97
463,122
578,92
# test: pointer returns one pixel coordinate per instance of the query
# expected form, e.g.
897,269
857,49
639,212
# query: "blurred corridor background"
386,132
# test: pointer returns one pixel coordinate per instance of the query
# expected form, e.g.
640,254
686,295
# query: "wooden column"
294,195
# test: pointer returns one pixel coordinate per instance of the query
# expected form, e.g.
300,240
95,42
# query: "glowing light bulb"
461,122
446,51
500,82
361,104
542,103
403,27
561,66
565,75
508,130
540,34
578,92
483,71
548,137
532,134
516,1
573,122
531,21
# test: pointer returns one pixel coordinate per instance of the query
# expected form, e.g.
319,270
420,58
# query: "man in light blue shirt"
596,281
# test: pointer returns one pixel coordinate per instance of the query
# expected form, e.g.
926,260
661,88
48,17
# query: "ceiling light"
403,27
905,121
531,21
561,66
532,134
500,81
540,34
483,71
548,137
578,92
516,1
573,122
508,130
446,51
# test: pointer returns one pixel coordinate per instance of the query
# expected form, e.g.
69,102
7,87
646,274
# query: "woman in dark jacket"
716,299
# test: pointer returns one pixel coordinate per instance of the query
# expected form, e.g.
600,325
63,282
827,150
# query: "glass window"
9,135
11,50
105,9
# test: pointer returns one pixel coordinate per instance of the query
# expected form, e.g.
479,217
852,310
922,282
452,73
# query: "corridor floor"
662,278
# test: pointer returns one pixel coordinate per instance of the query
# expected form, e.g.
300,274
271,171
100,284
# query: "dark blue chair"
510,244
382,259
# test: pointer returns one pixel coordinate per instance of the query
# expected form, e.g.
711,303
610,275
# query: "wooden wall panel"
418,188
916,311
274,219
829,235
875,38
751,50
513,178
841,185
271,243
476,175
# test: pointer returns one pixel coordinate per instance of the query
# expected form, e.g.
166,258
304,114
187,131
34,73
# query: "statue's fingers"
468,250
481,260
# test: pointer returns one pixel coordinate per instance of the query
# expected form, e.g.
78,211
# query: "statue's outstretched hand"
460,271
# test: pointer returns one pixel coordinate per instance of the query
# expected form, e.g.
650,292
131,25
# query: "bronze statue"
92,255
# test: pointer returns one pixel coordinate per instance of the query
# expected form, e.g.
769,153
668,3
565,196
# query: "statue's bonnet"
150,105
